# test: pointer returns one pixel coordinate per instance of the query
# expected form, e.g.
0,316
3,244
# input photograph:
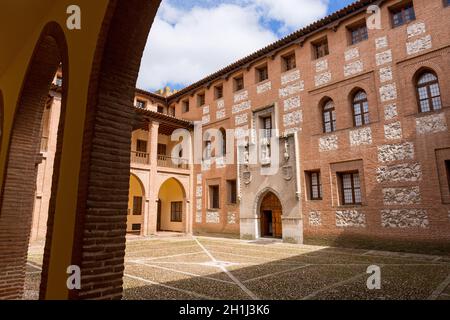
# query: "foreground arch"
88,207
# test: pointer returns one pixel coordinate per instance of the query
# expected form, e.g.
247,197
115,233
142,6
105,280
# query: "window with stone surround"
218,92
232,191
360,109
288,62
428,92
402,14
176,211
141,104
214,197
262,73
329,116
320,48
200,99
350,188
238,83
137,206
314,184
358,32
185,106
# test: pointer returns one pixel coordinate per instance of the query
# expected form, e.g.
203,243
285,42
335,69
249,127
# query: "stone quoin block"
419,45
381,43
350,219
353,68
383,57
396,152
322,79
431,124
292,89
388,92
220,104
231,218
290,76
401,196
267,86
351,54
292,103
404,218
212,217
205,110
220,114
322,65
315,219
241,96
328,143
293,118
241,119
386,74
416,29
361,137
407,172
393,131
244,106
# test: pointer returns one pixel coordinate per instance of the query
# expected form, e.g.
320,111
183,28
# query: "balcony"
173,163
140,157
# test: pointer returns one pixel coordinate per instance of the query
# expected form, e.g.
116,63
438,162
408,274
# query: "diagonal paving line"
164,257
224,269
335,285
192,293
183,272
438,291
276,273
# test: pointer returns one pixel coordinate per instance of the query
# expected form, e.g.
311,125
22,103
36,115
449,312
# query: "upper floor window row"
402,14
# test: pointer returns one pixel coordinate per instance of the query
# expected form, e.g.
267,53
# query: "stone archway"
270,213
172,208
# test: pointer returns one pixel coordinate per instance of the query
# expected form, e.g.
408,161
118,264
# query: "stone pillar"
152,212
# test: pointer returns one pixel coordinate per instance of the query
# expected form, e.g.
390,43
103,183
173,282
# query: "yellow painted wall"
136,190
171,191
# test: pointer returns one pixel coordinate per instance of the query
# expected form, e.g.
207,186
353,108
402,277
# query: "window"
329,117
446,3
350,188
403,14
185,106
176,211
59,81
321,48
447,168
267,126
358,33
136,227
161,109
224,141
218,92
289,62
200,99
137,206
141,146
214,197
172,111
238,83
141,104
428,92
360,109
232,191
315,185
262,73
162,149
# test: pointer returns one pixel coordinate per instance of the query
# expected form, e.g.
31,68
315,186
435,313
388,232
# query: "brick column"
152,213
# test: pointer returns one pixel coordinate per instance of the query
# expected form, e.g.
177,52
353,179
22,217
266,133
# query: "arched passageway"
171,206
270,216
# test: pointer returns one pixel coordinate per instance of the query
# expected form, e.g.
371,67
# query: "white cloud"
188,42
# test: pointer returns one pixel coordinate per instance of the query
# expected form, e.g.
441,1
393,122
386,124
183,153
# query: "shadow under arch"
19,181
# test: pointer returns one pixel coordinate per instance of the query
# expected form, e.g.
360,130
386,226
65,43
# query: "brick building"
356,106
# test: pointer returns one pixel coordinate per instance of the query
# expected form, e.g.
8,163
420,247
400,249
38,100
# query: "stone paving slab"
209,268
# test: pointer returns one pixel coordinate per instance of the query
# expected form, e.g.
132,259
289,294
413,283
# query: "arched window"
224,142
329,117
360,109
428,93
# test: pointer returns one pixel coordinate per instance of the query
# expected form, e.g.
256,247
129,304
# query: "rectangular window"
262,73
161,109
315,185
176,211
214,200
162,149
320,48
136,227
238,83
200,99
447,168
141,146
137,206
185,106
289,62
446,3
232,191
350,188
267,127
358,33
218,92
403,14
140,104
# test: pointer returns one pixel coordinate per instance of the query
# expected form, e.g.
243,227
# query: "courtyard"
198,268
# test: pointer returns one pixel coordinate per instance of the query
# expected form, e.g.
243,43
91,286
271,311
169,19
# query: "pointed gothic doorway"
270,213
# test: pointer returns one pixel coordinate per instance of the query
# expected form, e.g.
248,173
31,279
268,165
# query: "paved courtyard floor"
211,268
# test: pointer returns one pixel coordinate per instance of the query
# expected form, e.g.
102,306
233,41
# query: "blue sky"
193,38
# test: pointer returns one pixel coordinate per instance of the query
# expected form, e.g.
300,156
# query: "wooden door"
270,215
